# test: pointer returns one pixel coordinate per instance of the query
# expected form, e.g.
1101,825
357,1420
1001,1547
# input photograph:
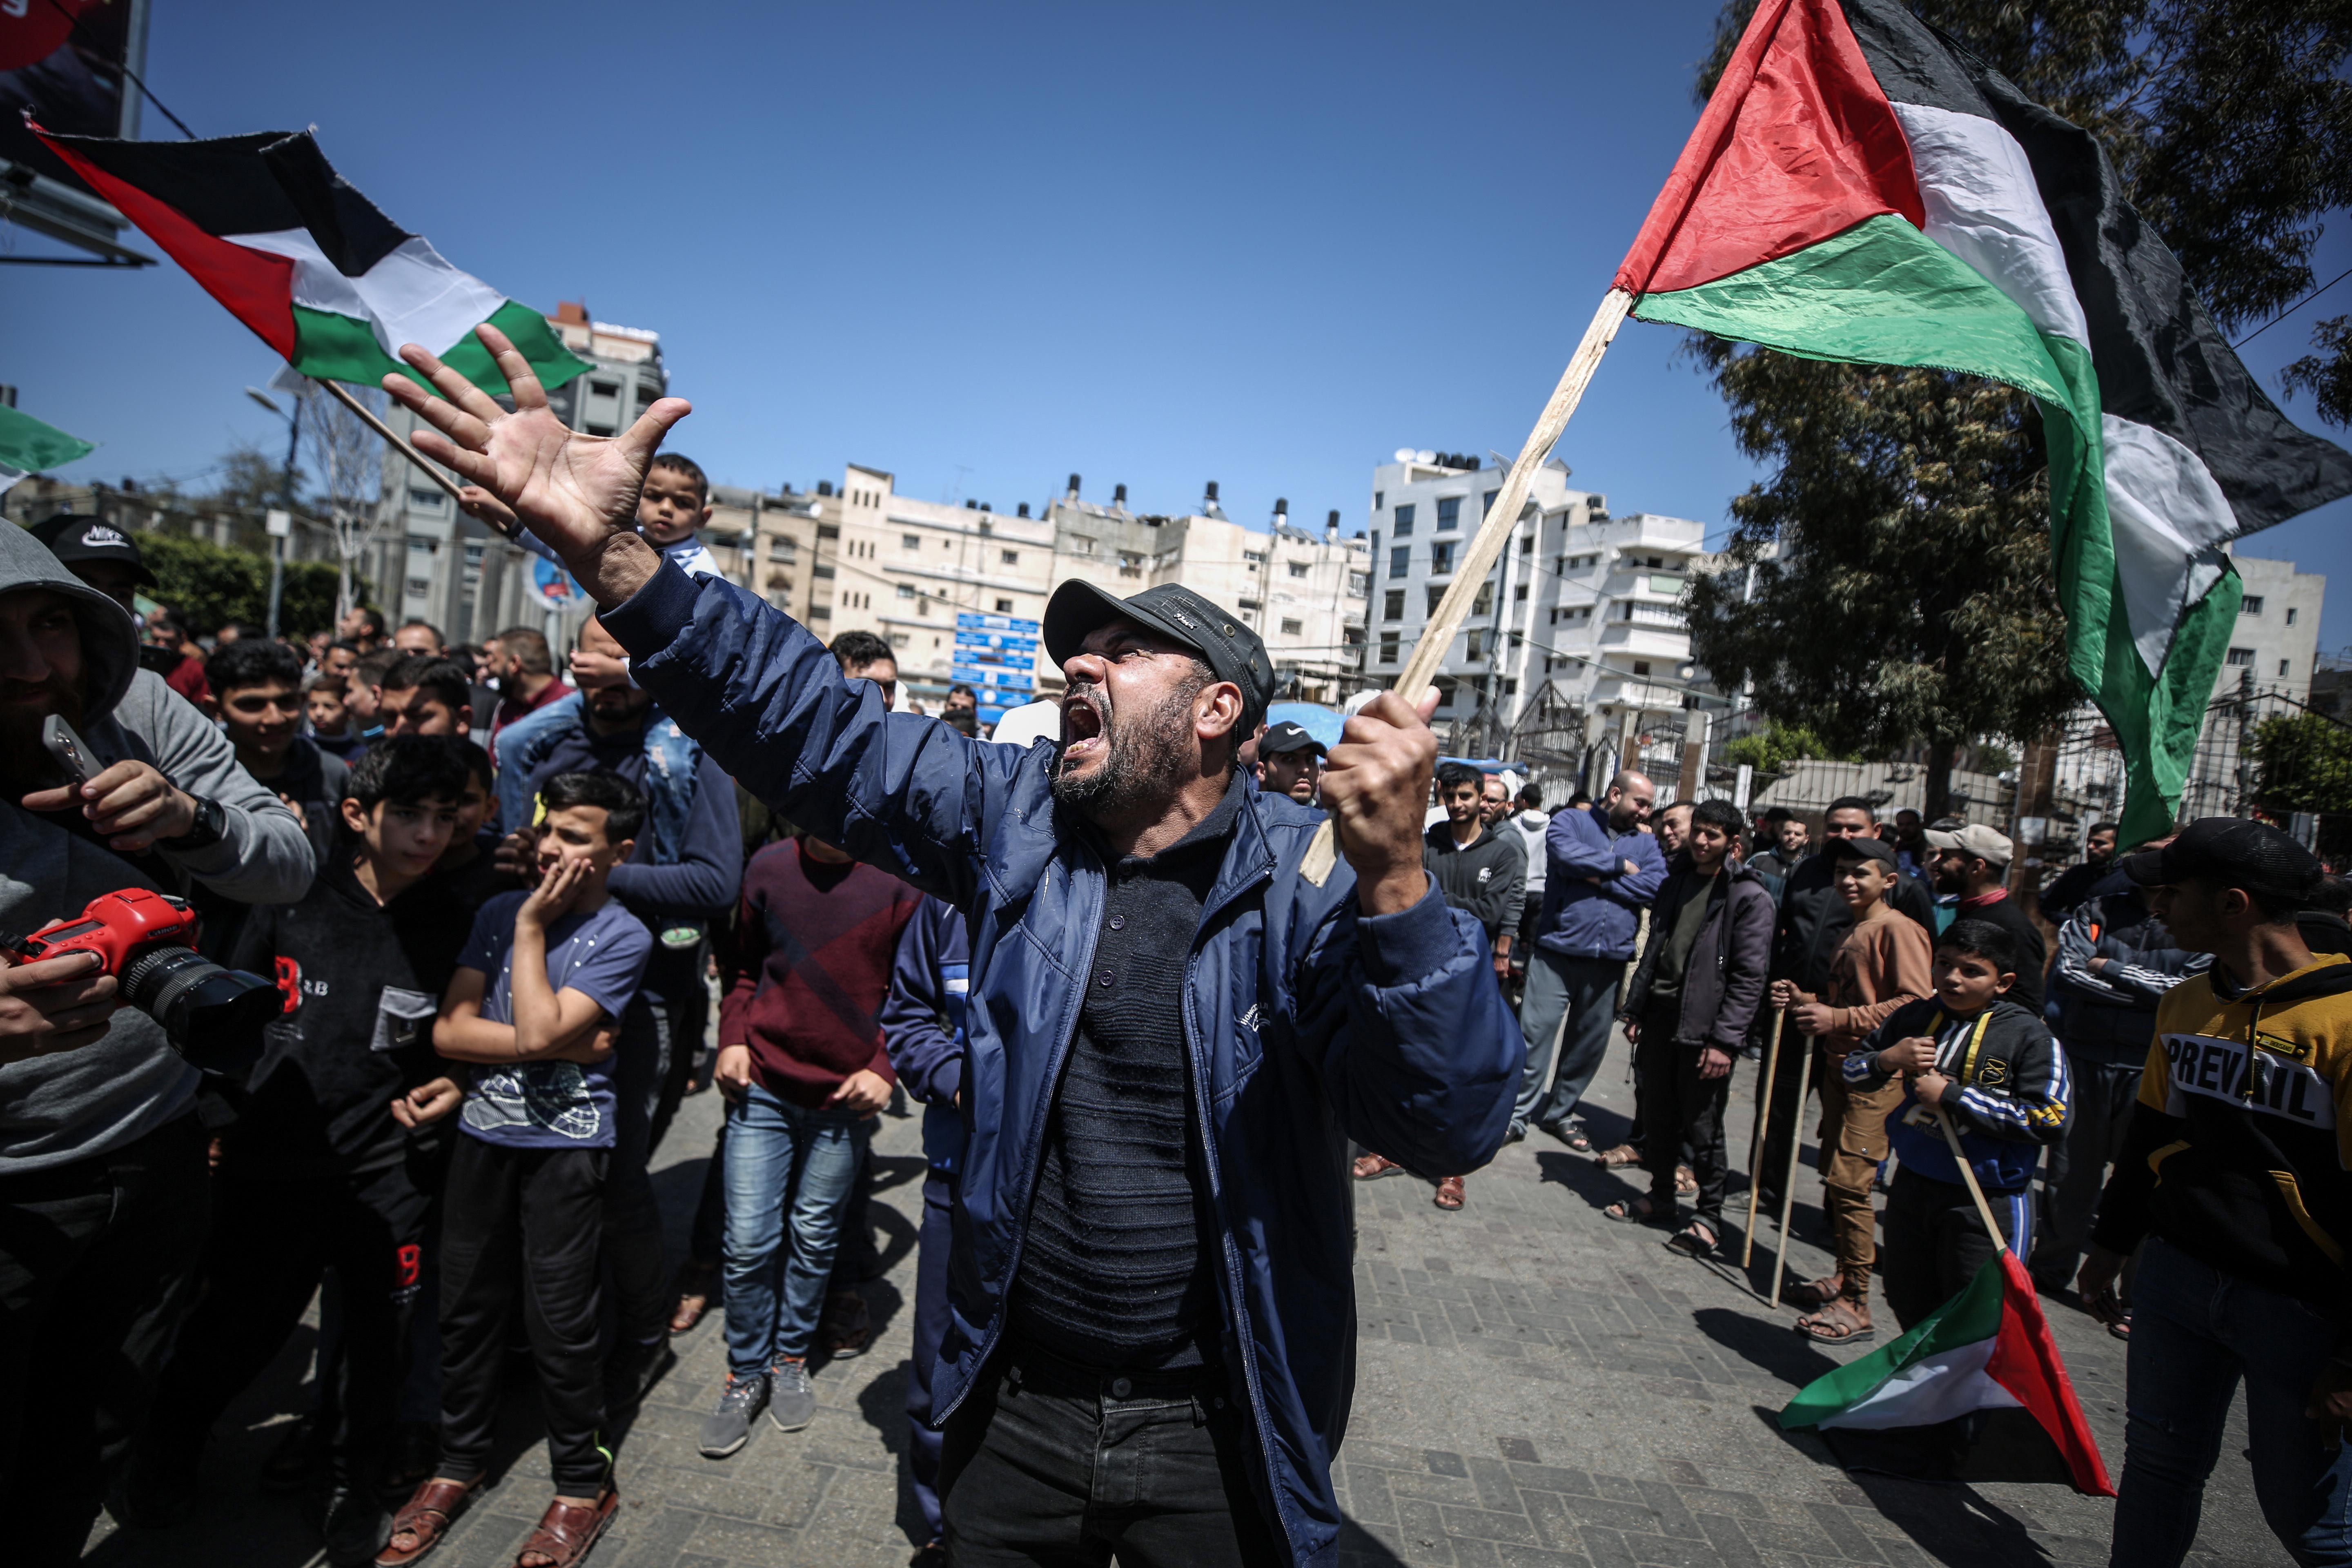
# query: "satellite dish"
1425,456
1404,454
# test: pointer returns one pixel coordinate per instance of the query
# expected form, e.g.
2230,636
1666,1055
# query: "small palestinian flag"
29,447
1976,1392
1859,189
269,229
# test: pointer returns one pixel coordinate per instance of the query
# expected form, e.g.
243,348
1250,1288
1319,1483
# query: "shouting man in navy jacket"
1179,1015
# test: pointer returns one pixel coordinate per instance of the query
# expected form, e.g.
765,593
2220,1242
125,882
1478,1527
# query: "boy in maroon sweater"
802,1061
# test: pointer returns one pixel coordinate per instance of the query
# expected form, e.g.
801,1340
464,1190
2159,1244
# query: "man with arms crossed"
1148,1349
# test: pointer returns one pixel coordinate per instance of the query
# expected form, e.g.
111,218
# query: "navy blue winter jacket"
1309,1023
1596,919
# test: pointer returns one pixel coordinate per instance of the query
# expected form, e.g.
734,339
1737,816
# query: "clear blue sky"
984,245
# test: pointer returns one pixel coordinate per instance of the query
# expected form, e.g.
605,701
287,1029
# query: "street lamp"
286,495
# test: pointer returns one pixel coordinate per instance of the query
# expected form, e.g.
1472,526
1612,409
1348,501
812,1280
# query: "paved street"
1537,1386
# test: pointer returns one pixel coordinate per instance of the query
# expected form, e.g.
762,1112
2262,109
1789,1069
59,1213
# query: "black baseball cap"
2235,853
1233,652
1876,849
1287,736
77,536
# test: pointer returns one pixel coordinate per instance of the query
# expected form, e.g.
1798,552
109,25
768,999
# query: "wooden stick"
1756,1150
1487,546
1789,1185
430,470
1967,1175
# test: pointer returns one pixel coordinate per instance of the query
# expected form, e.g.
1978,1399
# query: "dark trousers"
272,1242
1045,1464
1936,1240
2104,1092
97,1260
923,1439
521,1225
1792,1080
1681,1110
632,1229
689,1015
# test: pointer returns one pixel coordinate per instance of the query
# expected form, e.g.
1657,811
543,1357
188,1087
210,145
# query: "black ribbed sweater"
1115,1271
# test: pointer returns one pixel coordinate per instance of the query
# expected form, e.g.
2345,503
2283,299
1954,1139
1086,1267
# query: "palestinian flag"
1976,1392
1859,189
29,447
274,234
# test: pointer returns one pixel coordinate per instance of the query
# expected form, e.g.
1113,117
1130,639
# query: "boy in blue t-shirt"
534,1005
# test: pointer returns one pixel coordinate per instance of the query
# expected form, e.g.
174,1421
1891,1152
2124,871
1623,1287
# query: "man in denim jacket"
1185,1000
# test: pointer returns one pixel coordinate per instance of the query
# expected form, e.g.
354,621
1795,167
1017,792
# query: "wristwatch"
211,827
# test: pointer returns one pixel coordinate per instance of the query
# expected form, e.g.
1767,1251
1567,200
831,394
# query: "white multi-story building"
2277,637
1581,601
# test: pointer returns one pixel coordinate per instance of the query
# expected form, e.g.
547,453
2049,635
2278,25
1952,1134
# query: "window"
1399,560
605,389
1641,666
1441,558
911,542
1403,526
1009,557
1445,694
424,500
822,572
1131,564
1254,557
1449,513
1359,585
1388,647
1520,595
2290,614
1249,606
1298,568
1510,686
906,590
1436,593
1474,646
2284,666
897,640
419,586
1298,628
2241,655
1483,605
782,548
1081,545
2251,605
1392,605
1003,607
646,397
1527,545
1378,497
1488,504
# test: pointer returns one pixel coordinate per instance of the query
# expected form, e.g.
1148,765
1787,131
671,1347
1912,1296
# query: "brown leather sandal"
1623,1154
425,1517
1842,1322
1450,1193
1815,1292
1372,1167
1685,1182
697,1284
567,1529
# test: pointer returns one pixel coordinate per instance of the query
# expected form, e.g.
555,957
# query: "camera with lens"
212,1015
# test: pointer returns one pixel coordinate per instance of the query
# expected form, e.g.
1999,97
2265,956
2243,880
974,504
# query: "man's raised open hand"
578,494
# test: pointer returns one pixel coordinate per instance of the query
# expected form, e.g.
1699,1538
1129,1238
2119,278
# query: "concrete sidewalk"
1537,1386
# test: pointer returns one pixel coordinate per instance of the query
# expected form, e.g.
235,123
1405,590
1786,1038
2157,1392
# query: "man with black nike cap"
1182,1008
2234,1176
100,553
1288,762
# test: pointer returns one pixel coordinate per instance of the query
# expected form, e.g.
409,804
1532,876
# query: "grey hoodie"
78,1104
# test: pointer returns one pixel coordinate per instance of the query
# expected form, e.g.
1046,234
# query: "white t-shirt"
1531,825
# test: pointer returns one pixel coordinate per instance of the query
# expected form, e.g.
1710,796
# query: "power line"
2291,309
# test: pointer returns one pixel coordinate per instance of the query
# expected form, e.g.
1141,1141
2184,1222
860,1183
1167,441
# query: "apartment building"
2276,641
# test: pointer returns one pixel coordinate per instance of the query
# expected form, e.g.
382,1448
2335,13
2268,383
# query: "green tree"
2327,377
1770,750
210,583
1909,509
2303,762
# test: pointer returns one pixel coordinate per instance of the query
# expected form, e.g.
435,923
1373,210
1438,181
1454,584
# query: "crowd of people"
1155,977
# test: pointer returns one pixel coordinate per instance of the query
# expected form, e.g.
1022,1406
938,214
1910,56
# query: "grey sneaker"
729,1427
795,1396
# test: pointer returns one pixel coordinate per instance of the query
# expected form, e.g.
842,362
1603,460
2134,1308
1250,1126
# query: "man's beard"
25,762
1144,754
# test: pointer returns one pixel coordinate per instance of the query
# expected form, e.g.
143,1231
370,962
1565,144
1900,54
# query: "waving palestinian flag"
273,233
1976,1392
29,447
1858,189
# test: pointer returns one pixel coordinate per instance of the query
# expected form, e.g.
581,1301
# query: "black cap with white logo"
75,537
1287,737
1233,652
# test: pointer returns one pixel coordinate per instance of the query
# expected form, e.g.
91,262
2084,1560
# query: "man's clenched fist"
1376,786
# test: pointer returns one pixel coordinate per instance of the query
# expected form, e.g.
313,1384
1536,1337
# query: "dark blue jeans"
1581,994
2195,1333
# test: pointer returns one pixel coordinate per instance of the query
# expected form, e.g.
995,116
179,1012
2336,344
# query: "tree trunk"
1939,781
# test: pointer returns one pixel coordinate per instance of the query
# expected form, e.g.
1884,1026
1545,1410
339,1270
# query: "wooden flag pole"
1420,667
1967,1175
1789,1189
392,438
1755,1152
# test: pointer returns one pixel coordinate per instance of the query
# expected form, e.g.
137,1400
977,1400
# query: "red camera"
147,941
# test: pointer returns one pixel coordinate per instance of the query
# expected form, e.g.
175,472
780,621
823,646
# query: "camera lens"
213,1017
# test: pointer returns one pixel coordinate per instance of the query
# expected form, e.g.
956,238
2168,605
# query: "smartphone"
66,747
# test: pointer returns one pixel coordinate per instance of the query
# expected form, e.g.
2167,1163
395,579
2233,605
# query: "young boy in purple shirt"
534,1005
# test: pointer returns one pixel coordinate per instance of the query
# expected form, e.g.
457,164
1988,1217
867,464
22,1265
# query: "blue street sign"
967,620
